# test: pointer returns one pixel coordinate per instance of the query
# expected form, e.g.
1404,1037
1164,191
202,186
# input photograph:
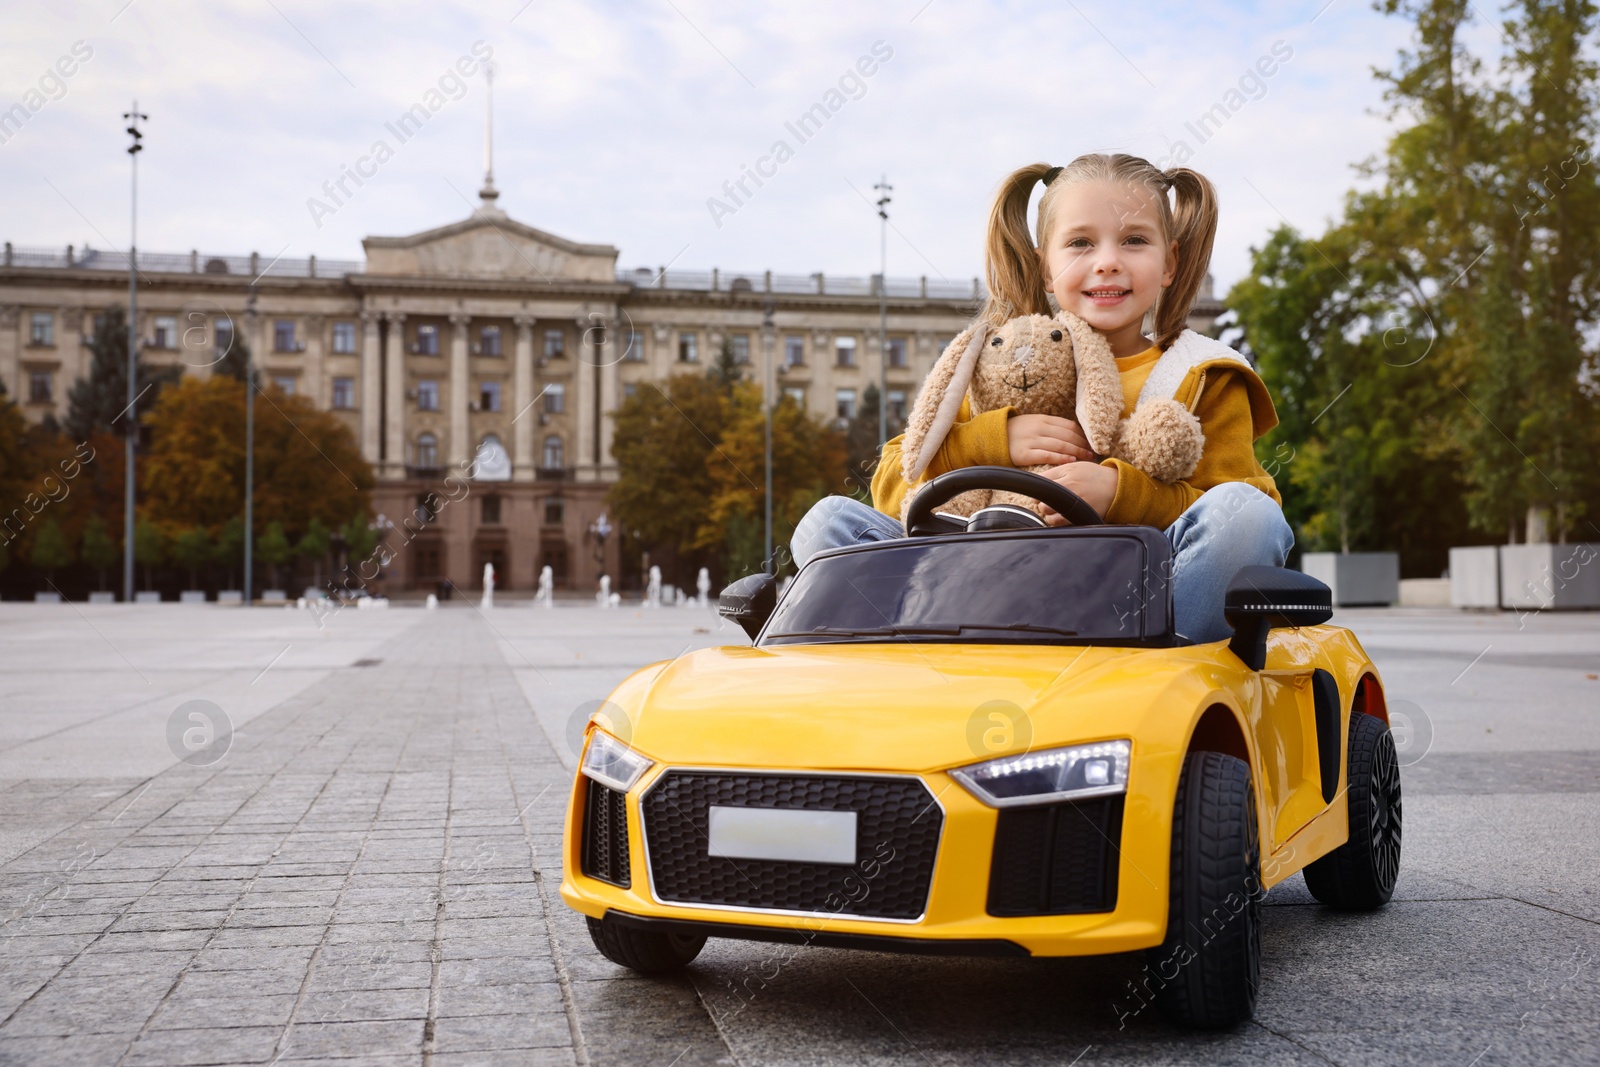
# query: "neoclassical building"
488,340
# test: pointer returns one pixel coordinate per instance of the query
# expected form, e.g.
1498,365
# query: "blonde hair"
1011,255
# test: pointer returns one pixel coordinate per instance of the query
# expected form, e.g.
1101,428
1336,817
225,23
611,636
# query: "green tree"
664,434
228,551
273,549
99,550
149,547
98,401
192,550
50,550
313,546
861,442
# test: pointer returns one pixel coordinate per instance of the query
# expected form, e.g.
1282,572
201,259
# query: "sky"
620,123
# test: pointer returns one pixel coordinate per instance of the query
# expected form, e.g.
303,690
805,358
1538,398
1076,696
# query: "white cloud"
615,122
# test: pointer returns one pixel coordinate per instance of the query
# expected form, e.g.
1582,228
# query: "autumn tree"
99,550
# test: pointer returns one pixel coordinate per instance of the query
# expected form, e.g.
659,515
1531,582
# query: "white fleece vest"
1189,351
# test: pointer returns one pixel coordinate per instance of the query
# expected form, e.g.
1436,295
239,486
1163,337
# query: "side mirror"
1260,598
749,602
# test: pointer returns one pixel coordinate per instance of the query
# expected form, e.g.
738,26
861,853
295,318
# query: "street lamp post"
249,442
767,329
131,413
884,189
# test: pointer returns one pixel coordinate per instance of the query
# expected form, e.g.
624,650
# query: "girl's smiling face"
1106,258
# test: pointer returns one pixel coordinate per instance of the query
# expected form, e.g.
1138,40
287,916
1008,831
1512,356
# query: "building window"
222,335
797,393
427,340
555,454
845,403
166,332
688,348
285,385
39,387
427,450
897,404
344,338
491,510
629,388
427,508
897,352
554,511
427,395
489,342
634,353
555,344
42,329
794,351
489,396
844,350
282,335
741,348
555,399
344,394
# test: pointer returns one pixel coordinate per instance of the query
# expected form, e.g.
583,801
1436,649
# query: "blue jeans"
1232,525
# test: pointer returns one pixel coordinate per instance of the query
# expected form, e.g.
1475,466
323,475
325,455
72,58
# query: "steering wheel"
1064,501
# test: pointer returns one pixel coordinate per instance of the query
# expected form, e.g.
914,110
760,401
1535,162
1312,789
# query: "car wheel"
1207,970
646,951
1360,874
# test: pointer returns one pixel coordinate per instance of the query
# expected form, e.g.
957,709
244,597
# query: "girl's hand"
1036,439
1094,482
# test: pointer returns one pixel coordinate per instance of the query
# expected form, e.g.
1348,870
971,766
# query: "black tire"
1360,874
1206,972
645,951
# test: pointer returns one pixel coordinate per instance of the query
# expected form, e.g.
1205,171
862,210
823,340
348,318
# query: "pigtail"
1015,274
1194,228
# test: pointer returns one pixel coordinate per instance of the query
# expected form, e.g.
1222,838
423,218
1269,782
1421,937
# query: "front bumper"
956,918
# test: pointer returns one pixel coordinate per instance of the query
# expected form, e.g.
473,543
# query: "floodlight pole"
249,442
883,189
132,415
767,386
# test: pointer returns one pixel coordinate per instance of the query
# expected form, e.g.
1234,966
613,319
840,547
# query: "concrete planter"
230,596
102,598
274,596
1356,578
1550,577
149,596
1425,592
49,596
1475,577
192,596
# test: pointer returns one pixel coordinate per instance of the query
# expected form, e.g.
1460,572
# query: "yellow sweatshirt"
1229,399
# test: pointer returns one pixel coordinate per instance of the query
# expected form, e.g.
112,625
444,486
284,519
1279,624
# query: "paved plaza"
357,861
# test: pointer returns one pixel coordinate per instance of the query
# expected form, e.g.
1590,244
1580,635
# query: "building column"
10,348
371,395
607,355
460,447
582,407
394,399
312,377
524,422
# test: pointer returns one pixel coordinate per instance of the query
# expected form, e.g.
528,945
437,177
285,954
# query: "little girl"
1110,247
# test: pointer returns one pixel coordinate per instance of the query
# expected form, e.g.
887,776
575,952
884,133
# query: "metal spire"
488,193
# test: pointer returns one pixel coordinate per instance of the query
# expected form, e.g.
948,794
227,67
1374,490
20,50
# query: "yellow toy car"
984,738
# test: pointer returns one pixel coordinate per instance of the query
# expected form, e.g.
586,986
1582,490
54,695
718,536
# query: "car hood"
896,707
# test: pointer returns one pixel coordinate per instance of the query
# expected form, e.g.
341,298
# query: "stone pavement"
368,872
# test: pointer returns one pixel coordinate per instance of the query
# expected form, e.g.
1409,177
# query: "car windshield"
1030,588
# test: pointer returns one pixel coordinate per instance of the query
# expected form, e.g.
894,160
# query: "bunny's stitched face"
1027,364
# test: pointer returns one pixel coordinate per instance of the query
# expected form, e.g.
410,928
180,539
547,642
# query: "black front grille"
605,834
897,838
1056,859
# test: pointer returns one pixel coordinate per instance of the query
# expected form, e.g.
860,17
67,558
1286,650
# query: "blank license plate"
783,834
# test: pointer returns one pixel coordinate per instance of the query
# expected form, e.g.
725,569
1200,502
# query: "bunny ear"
940,401
1100,400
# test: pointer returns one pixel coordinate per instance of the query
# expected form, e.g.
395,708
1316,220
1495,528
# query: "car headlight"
612,763
1096,770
